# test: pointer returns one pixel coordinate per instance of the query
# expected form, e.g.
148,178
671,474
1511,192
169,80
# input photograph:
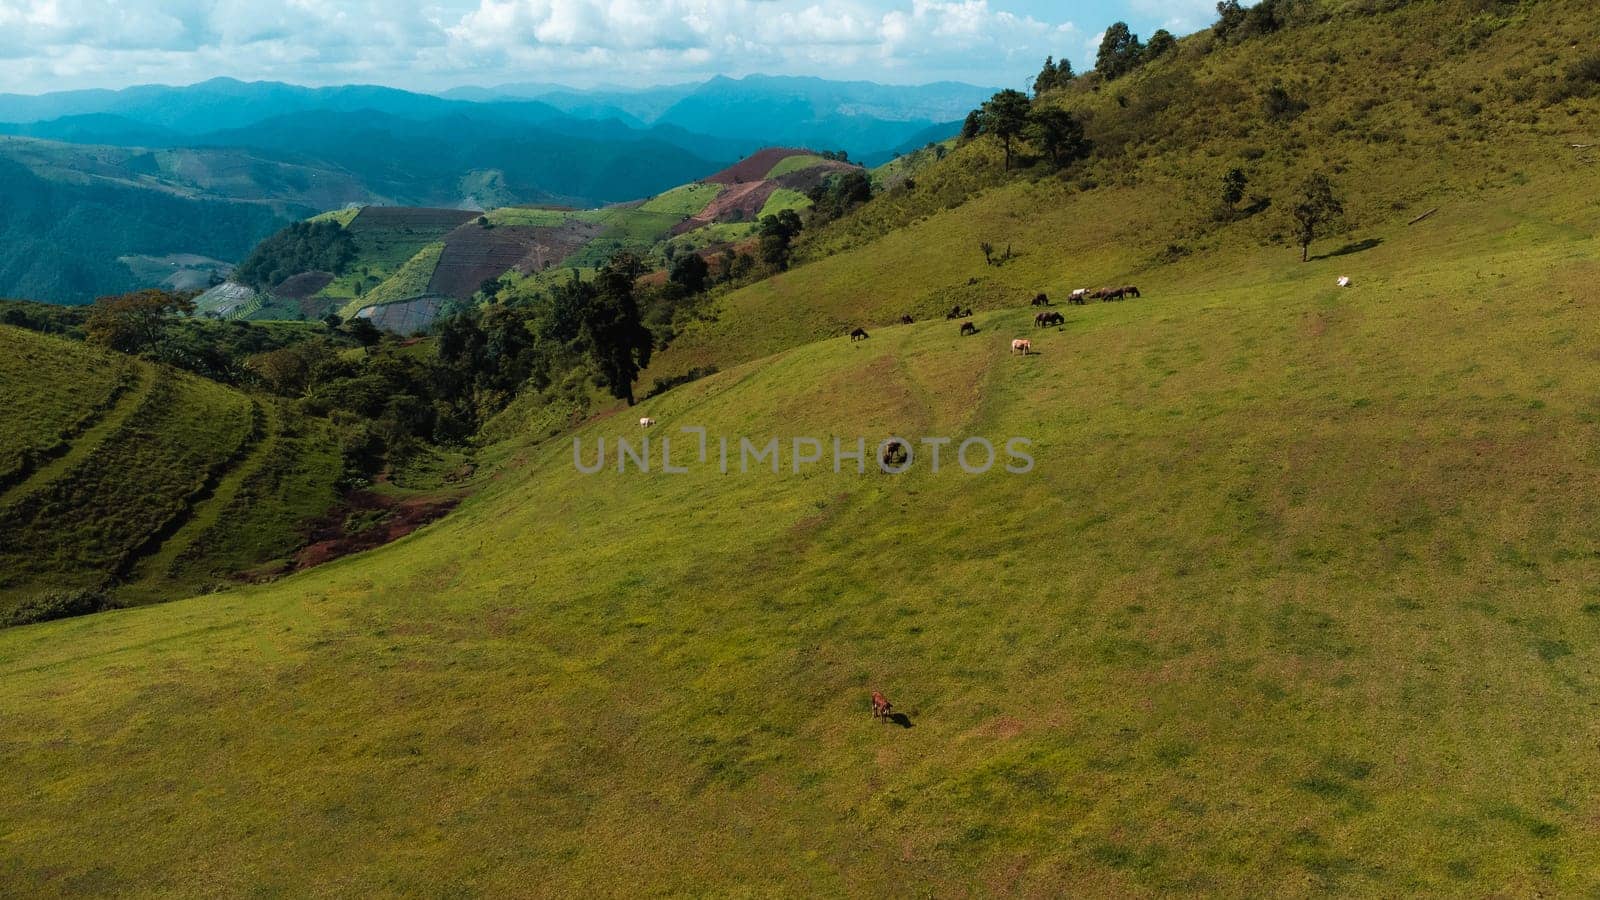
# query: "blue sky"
433,44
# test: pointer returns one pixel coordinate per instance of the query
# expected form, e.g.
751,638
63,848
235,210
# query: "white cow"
1022,345
646,422
1344,281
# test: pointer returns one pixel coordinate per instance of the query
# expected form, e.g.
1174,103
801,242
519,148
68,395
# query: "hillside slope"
135,482
1297,598
1292,563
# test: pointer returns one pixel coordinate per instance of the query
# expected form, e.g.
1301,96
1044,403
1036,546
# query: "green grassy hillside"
37,427
143,480
1298,598
1294,566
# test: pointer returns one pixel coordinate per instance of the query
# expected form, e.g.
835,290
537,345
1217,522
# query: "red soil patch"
755,168
391,519
299,287
740,203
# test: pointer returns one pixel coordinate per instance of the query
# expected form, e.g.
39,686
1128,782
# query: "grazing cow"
1079,296
1344,281
966,313
1109,294
1041,300
895,455
905,320
646,422
1046,319
954,313
1131,291
968,328
860,334
1022,345
881,706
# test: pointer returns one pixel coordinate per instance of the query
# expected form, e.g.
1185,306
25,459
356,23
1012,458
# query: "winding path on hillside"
153,558
80,446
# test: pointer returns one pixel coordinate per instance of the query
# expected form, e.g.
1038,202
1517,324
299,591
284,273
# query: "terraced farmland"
408,282
423,258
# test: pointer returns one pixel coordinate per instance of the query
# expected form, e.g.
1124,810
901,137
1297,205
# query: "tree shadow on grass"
1347,249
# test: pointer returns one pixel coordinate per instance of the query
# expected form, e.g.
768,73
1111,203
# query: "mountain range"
210,169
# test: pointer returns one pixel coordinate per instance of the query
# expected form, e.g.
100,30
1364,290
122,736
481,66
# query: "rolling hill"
123,481
1297,597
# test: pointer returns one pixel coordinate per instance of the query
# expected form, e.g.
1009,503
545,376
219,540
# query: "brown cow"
905,320
1046,319
968,328
880,706
860,334
1108,294
1131,291
1041,300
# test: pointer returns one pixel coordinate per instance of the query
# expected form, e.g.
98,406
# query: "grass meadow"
1296,600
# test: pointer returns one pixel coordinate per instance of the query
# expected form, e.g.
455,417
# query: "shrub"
59,604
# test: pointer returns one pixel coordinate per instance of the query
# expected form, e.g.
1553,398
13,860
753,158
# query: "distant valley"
106,190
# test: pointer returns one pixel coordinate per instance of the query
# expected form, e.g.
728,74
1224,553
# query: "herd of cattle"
1042,320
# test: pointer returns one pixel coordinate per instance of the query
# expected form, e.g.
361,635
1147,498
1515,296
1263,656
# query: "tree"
777,233
1005,116
1233,185
839,194
690,273
973,125
1230,15
137,322
1161,43
613,335
1120,51
1059,134
362,329
1046,79
1315,211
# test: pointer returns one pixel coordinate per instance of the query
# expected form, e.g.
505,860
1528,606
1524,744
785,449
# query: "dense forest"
62,239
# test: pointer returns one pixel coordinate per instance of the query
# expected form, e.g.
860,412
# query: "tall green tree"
612,332
1233,185
1161,43
1059,134
1315,211
690,272
1005,116
777,234
1120,51
972,126
137,322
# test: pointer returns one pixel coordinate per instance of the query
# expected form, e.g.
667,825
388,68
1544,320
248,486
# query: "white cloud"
56,44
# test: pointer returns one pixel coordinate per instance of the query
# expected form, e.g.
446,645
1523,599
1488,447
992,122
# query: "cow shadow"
1348,249
901,719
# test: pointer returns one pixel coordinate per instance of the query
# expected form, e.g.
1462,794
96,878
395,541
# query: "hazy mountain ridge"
293,151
